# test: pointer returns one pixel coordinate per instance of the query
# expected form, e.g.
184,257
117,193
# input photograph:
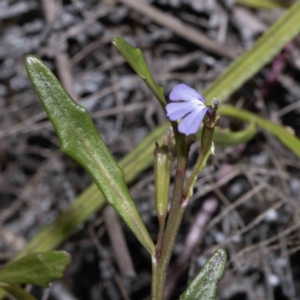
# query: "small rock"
273,280
260,159
295,186
271,216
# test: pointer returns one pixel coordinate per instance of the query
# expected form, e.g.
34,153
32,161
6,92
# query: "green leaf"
268,4
91,199
17,292
227,138
249,63
38,268
288,139
80,139
136,60
204,285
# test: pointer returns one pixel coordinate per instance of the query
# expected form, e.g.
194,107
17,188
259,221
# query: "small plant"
79,138
38,269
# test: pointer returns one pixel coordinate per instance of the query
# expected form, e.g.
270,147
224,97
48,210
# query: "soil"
38,181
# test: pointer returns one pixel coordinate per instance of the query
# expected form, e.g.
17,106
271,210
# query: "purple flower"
189,106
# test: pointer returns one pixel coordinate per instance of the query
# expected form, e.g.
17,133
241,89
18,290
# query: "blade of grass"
91,199
79,138
267,4
249,63
226,138
289,140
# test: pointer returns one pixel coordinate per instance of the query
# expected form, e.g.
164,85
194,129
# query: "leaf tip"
30,59
222,254
115,39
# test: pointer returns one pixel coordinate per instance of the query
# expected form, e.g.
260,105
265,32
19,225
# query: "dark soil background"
261,178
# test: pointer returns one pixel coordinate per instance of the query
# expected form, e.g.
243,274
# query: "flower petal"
176,111
184,92
191,123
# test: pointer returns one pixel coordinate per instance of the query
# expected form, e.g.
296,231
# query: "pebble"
273,280
260,159
271,216
295,186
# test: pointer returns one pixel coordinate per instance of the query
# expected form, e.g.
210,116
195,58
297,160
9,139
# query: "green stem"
194,173
161,261
158,281
206,142
179,202
162,223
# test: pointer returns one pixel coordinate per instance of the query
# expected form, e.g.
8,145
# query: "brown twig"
118,242
185,31
51,7
195,235
104,256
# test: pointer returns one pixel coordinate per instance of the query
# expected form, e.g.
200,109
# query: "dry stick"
90,48
258,219
195,234
65,74
185,31
30,125
13,208
24,124
234,205
106,259
118,102
29,100
51,7
60,291
227,203
50,10
180,62
289,289
105,66
118,242
75,30
267,242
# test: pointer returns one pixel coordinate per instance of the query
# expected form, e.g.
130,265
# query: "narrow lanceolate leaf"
268,4
16,291
204,285
136,60
287,138
91,199
227,138
38,269
80,139
249,63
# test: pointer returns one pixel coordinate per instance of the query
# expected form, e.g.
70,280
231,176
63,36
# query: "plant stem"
179,202
158,281
193,174
162,223
162,257
160,262
206,141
